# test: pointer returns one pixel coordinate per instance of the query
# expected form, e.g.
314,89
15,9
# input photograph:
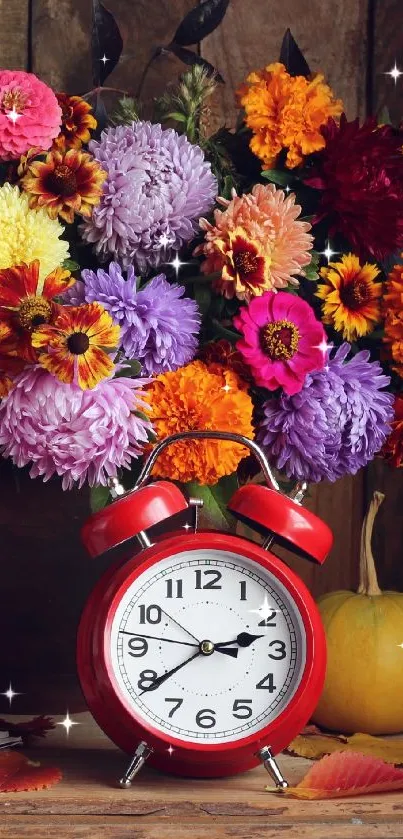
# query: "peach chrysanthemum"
195,399
268,218
286,112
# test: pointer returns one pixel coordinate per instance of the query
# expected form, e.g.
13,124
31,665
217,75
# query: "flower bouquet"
157,278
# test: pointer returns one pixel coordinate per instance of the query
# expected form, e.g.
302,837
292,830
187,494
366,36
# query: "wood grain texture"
67,25
87,805
14,34
388,49
387,541
332,36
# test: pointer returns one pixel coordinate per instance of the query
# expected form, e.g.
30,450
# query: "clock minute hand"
161,679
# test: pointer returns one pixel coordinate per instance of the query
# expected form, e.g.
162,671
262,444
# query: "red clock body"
206,647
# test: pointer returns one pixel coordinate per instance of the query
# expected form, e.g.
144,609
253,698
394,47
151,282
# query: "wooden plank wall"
45,576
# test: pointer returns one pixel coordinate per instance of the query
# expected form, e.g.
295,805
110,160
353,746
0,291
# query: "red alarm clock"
201,651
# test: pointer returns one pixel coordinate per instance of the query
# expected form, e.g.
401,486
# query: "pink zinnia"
269,219
30,115
282,342
81,435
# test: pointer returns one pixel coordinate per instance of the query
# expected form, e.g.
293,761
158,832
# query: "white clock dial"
241,677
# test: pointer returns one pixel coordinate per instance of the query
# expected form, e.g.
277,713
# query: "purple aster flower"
156,326
334,425
157,188
81,435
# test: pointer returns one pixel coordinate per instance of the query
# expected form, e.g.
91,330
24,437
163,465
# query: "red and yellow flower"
26,302
246,269
351,297
74,347
77,122
393,448
65,184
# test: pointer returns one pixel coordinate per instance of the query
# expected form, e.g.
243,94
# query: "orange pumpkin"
364,683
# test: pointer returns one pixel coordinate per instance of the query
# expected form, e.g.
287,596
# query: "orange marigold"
286,112
77,122
195,399
393,299
66,183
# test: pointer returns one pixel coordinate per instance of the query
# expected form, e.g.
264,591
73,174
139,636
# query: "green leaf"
311,271
178,117
277,176
215,499
99,498
202,295
222,331
131,369
70,265
383,117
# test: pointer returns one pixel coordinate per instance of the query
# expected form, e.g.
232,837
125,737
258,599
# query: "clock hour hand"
161,679
244,639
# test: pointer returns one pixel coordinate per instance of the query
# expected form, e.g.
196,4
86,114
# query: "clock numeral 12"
178,588
210,583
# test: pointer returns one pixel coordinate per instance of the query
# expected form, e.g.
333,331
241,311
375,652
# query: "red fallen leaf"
343,774
17,773
37,727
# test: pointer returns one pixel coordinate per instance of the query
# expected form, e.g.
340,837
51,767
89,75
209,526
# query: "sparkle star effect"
394,73
177,264
187,526
13,115
165,240
265,609
104,59
170,750
328,252
68,723
10,693
401,646
287,189
227,388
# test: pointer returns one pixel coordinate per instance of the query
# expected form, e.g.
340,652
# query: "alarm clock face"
207,646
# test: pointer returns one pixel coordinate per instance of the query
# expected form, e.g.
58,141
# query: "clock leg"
271,766
137,762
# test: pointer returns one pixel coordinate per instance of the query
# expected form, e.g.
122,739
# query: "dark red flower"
224,353
360,173
393,448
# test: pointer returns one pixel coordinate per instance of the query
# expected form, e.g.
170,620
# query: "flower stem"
368,578
157,52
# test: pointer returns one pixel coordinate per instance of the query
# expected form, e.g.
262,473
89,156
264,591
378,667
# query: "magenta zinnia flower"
360,175
158,186
282,340
81,435
30,115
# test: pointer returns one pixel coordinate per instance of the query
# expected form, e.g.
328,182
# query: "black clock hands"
180,625
157,638
244,639
161,679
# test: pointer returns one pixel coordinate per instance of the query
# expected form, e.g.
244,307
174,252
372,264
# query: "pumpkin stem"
368,578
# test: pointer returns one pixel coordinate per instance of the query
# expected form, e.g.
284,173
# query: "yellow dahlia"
27,235
73,347
351,297
65,184
257,243
286,112
195,399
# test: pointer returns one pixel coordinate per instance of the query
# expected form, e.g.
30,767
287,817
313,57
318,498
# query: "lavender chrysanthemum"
81,435
158,326
334,425
158,185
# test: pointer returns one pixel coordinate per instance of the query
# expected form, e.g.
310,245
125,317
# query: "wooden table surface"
87,804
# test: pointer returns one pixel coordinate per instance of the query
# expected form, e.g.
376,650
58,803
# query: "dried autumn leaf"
345,774
17,773
314,745
37,727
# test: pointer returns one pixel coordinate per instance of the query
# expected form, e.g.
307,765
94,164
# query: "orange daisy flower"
193,398
351,297
26,302
77,122
393,339
73,348
65,183
286,112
